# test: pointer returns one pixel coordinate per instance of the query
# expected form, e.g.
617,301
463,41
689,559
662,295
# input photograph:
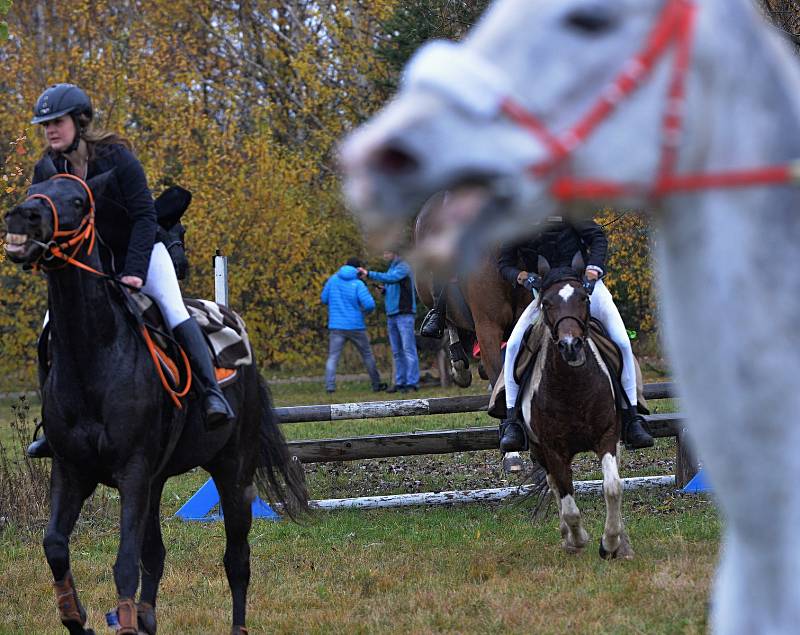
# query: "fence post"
686,464
220,278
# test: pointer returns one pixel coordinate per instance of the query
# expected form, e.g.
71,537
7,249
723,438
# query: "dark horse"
110,421
170,206
568,407
484,306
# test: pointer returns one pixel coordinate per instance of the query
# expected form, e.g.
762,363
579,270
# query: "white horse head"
517,109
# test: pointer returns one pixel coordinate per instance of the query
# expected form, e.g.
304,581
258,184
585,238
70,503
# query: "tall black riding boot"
190,337
633,433
512,436
433,323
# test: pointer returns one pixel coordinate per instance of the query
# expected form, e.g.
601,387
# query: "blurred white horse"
686,109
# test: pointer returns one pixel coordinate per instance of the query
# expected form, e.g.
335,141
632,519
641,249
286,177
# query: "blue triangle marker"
698,484
205,500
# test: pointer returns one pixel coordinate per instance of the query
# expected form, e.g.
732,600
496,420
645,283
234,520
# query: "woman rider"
558,241
126,228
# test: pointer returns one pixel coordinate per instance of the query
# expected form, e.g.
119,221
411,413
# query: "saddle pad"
529,350
225,330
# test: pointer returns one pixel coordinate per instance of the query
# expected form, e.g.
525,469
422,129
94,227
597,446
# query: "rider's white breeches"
162,285
603,308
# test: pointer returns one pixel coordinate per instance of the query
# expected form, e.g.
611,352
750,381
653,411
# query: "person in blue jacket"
348,299
401,308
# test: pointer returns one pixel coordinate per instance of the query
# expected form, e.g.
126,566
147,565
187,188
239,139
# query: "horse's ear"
45,168
543,266
578,265
99,183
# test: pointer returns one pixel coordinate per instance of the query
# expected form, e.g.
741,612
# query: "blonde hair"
95,136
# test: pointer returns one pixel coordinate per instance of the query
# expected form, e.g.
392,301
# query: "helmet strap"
74,145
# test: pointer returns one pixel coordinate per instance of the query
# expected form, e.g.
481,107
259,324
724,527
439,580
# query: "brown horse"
481,305
568,407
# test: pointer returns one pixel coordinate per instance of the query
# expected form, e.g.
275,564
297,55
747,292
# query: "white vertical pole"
220,278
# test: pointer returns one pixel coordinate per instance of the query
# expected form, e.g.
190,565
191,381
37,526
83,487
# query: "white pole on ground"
479,495
220,278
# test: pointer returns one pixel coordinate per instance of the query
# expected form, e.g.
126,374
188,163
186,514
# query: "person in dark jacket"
558,241
126,226
348,299
401,308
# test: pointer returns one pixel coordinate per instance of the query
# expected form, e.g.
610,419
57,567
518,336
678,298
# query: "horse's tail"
280,477
537,488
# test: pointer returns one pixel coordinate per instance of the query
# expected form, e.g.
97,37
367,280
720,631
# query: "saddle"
224,330
529,350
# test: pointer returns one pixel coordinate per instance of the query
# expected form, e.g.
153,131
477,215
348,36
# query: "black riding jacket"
125,214
558,241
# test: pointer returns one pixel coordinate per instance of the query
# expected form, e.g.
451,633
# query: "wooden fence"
445,441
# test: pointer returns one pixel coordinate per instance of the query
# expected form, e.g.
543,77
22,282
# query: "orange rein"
75,239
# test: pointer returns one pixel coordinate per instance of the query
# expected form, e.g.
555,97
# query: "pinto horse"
568,406
110,421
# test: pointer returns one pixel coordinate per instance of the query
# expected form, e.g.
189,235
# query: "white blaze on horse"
690,111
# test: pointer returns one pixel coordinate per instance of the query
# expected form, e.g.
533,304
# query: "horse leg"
134,490
68,491
152,568
236,500
614,543
574,536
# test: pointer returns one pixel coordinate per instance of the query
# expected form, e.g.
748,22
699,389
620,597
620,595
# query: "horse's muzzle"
572,350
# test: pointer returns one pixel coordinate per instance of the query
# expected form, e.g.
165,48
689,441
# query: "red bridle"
674,28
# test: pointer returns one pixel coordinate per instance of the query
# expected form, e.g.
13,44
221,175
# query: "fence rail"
414,407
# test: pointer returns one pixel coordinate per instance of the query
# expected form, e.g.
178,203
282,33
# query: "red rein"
674,28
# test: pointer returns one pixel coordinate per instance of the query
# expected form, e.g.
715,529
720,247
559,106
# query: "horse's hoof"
482,372
146,618
623,552
462,376
512,462
571,549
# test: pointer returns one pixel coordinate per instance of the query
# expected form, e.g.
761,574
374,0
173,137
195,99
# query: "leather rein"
674,29
65,245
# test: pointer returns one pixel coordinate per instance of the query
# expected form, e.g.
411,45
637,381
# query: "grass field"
476,569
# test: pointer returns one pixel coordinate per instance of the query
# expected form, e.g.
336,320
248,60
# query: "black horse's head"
54,208
170,206
565,308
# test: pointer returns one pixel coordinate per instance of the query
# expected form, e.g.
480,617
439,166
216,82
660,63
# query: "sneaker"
396,388
380,387
330,391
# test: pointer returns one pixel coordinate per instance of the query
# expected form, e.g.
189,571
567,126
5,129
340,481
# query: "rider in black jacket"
126,227
558,241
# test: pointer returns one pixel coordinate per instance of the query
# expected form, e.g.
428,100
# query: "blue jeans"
335,345
404,348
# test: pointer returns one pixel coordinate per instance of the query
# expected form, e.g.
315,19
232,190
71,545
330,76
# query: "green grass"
474,569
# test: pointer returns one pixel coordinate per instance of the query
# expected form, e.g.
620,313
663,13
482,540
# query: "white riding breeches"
603,308
162,285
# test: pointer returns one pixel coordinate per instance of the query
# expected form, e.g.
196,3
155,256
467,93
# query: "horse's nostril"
394,160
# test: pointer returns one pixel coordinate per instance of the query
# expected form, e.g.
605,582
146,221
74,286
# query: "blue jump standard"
206,499
698,484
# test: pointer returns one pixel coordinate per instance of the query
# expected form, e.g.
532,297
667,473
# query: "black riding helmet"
64,99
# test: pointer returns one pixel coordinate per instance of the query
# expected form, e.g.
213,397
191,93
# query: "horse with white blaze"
687,110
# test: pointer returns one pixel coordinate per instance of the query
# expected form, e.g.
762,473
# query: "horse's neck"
84,319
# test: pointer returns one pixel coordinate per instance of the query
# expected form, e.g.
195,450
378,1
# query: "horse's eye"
78,202
592,20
